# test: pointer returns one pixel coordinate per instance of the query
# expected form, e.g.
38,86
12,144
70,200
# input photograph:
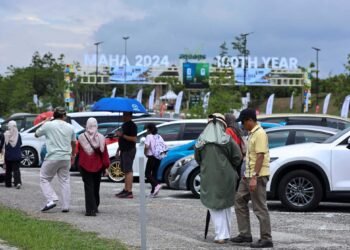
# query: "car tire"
29,157
300,191
166,175
115,172
195,183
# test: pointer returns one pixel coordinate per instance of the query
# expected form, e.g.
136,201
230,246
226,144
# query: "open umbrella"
42,117
119,104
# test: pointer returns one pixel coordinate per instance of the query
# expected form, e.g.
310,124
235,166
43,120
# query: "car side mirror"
142,140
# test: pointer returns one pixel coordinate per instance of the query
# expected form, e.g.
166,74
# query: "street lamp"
245,54
97,43
125,39
317,50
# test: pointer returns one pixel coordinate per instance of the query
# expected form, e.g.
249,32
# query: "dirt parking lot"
175,220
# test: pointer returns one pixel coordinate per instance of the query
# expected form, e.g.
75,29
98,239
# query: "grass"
25,232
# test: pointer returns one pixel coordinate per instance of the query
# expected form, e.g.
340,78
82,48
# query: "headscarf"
231,123
92,137
11,135
214,132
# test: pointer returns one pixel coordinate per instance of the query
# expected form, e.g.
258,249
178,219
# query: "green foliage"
223,99
25,232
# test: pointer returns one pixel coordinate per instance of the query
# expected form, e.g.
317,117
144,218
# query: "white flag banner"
35,99
139,95
178,102
291,101
114,91
345,108
248,96
206,102
269,104
244,102
306,105
326,103
151,99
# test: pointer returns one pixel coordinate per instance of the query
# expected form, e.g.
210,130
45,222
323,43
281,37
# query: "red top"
93,163
230,132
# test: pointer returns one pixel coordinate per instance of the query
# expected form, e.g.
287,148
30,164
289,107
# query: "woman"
93,160
152,162
218,157
13,155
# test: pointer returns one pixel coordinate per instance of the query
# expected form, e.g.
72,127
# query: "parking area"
175,220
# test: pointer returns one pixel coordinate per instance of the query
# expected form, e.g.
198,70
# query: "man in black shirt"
127,152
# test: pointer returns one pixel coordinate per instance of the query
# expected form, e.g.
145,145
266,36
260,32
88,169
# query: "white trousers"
47,172
222,220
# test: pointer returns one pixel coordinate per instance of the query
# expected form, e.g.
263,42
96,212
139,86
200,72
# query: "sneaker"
126,195
242,239
65,210
262,244
120,193
156,190
48,206
18,186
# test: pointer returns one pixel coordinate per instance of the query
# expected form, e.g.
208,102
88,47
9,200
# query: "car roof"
302,115
304,127
154,119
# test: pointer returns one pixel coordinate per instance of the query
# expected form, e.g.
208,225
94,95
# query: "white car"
174,133
303,175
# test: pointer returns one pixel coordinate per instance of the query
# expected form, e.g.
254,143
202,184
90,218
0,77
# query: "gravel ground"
175,220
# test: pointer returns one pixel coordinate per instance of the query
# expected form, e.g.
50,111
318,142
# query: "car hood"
297,149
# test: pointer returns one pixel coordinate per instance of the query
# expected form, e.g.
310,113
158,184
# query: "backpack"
159,149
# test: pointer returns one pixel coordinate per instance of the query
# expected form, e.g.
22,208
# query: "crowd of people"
233,170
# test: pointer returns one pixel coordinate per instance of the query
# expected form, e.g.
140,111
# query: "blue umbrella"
119,104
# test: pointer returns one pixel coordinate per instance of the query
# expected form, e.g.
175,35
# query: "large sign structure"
129,74
196,75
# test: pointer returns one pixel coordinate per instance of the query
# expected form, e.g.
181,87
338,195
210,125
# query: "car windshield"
337,135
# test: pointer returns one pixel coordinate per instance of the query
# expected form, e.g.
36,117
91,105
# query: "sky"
172,27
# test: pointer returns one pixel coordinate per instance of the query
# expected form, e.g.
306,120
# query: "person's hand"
253,184
119,133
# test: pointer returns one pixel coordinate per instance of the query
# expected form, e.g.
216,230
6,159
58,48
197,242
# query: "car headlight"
183,161
273,159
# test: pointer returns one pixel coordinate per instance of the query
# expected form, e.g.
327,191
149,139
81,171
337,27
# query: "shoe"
126,195
48,206
262,244
220,241
91,213
18,186
242,239
156,190
65,210
120,193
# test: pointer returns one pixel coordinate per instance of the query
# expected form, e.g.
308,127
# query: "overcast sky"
171,27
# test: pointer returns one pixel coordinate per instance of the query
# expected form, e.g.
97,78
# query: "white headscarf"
91,137
11,135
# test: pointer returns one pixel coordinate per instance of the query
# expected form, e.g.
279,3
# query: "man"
253,184
127,152
60,144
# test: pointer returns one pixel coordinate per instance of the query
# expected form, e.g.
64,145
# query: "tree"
223,50
239,45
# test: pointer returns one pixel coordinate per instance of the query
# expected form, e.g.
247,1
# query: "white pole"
143,219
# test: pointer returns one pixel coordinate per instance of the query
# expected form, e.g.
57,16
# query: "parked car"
185,174
24,121
307,119
174,133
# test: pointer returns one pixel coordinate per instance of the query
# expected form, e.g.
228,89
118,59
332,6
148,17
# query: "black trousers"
92,182
151,171
12,167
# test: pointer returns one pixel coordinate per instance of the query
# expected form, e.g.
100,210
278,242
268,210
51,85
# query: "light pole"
97,43
317,50
125,39
245,53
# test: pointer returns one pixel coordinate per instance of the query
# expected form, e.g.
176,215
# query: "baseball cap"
247,114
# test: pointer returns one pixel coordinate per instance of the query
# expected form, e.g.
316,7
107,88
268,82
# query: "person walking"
152,162
60,143
93,161
219,157
253,185
127,152
12,148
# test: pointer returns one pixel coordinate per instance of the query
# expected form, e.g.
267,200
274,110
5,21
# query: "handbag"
97,151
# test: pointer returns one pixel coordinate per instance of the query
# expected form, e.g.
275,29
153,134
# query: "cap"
217,117
59,112
247,114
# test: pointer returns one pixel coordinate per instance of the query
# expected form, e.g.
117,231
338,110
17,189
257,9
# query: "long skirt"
222,220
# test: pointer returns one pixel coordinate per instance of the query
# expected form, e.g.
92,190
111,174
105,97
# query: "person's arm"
129,138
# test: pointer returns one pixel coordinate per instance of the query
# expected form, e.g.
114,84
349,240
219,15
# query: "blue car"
173,155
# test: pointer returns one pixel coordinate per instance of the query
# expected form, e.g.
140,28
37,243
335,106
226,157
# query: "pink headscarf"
91,137
11,135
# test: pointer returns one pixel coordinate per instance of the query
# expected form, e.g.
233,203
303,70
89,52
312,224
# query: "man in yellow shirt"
253,184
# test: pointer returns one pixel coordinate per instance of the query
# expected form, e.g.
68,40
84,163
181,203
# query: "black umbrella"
207,220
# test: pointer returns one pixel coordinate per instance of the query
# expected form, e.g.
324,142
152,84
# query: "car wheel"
195,183
167,175
300,191
115,172
29,157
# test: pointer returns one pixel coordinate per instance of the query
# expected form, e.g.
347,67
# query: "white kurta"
222,220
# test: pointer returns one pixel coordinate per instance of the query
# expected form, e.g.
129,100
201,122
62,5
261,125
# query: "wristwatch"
255,174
